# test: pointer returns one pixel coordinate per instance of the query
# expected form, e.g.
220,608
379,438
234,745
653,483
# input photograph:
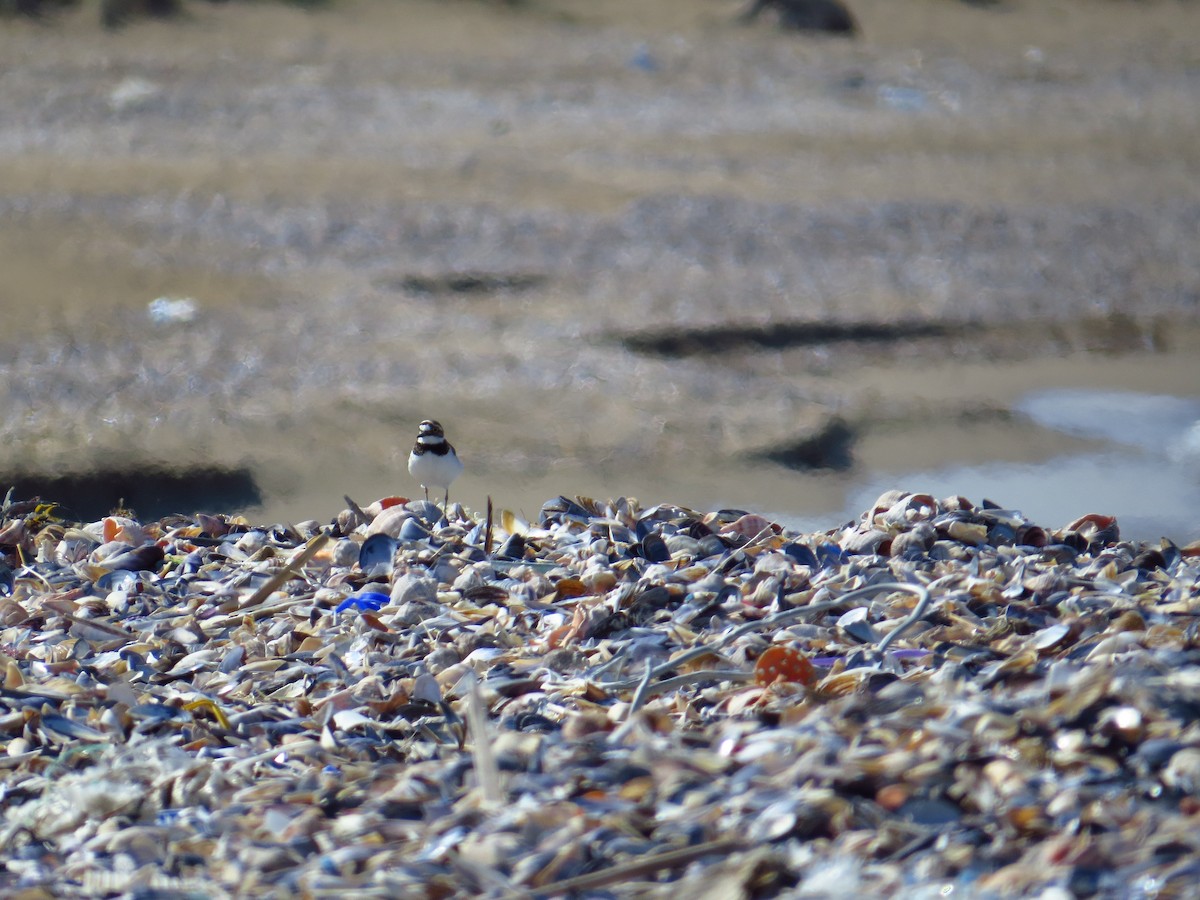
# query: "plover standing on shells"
433,461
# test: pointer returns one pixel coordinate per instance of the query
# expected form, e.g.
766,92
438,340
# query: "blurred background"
617,247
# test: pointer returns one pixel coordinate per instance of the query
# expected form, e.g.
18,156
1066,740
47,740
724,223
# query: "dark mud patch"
463,283
151,493
831,447
1108,333
677,342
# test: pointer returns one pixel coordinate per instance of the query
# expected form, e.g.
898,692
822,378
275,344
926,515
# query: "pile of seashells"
612,701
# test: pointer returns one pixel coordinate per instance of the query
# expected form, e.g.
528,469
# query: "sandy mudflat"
972,202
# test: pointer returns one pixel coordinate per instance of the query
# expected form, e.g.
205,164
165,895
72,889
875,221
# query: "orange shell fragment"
570,587
783,664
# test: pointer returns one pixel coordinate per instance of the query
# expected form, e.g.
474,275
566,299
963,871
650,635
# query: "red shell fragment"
783,664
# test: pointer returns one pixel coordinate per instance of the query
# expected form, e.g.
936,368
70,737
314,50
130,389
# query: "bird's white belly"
435,471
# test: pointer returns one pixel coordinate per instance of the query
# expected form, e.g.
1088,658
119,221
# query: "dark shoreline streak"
152,492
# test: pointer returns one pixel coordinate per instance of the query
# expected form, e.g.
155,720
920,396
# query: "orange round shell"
782,663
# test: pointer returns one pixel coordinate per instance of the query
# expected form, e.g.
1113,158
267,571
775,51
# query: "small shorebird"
433,461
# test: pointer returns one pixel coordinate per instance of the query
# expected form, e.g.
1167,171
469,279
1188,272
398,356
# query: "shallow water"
1159,424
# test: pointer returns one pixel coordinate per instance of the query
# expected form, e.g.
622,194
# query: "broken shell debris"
609,701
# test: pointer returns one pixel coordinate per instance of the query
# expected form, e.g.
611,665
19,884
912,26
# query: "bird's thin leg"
446,499
426,493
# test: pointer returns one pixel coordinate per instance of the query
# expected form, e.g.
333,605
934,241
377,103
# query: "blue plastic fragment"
367,601
830,555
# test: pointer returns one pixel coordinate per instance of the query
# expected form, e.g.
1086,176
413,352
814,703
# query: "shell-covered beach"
608,701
